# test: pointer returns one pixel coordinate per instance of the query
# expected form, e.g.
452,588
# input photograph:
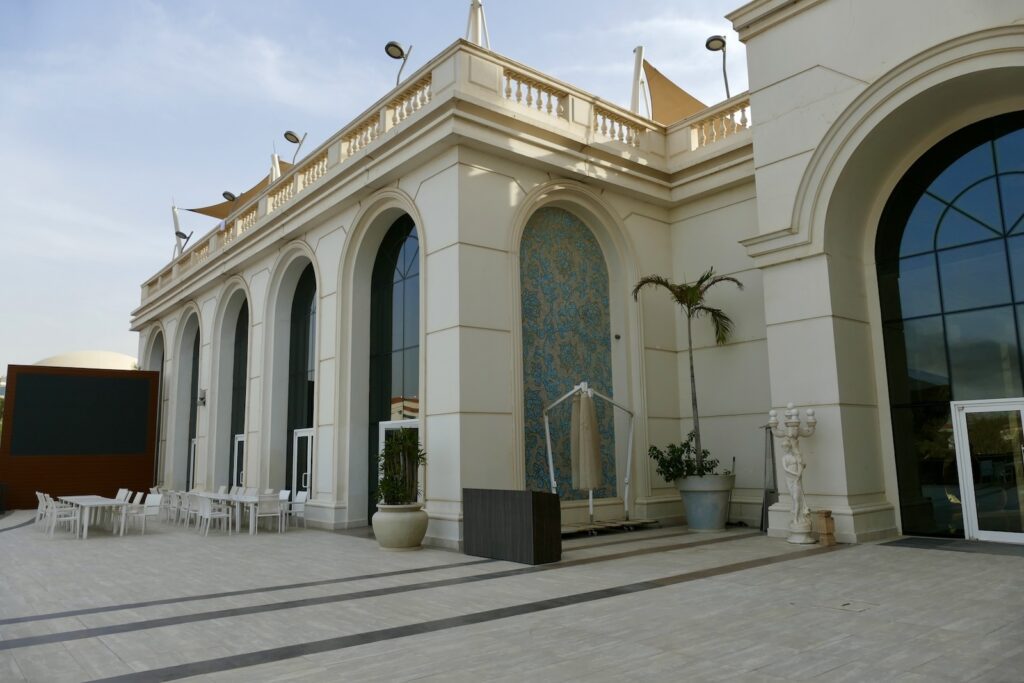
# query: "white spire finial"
275,167
476,27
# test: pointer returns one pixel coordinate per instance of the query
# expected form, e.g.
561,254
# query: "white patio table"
87,503
238,501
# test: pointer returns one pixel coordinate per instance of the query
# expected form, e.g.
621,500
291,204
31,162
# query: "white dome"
104,360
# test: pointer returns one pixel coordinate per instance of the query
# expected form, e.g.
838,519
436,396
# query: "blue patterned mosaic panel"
566,340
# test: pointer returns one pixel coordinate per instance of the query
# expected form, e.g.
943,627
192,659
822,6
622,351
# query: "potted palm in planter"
705,494
400,522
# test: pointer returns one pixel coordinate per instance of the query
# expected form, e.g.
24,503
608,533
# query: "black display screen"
78,414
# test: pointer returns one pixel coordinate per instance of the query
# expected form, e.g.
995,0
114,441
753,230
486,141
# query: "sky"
112,109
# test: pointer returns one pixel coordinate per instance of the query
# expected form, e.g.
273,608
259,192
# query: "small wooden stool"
825,526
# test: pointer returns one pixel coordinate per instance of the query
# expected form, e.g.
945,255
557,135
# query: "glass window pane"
414,255
915,351
974,276
966,170
1010,151
981,203
1016,249
412,372
397,311
919,235
926,470
1012,191
995,442
957,229
983,354
411,318
396,376
910,291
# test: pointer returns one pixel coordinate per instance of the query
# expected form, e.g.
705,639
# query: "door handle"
305,480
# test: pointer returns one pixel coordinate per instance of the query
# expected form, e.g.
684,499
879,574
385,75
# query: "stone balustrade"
608,124
529,91
719,122
517,88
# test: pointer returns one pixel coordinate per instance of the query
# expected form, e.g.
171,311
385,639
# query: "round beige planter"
706,500
399,527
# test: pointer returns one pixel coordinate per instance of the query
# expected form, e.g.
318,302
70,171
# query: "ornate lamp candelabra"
793,467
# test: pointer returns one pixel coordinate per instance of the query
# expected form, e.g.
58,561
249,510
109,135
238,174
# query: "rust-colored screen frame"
74,474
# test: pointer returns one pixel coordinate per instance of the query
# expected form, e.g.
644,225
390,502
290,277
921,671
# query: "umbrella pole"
551,460
591,505
629,465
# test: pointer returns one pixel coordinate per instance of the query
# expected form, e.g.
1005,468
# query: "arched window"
239,365
394,335
193,416
301,376
950,255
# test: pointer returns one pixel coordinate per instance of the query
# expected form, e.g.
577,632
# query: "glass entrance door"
302,460
238,460
989,438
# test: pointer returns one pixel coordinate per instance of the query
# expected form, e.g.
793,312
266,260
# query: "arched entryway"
288,444
155,363
229,439
301,383
566,339
394,339
183,473
950,263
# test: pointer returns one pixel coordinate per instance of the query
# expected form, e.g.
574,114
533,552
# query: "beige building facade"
434,254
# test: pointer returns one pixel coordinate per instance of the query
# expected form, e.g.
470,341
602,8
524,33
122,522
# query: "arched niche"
584,206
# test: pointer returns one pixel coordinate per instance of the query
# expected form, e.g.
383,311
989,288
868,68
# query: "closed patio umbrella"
585,443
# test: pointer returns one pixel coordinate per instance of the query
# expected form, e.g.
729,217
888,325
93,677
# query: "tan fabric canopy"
224,209
669,102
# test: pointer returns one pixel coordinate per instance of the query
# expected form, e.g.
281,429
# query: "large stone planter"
706,500
399,527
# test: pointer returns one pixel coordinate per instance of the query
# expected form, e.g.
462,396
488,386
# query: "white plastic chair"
269,507
41,510
150,509
208,512
60,513
298,507
235,490
190,508
284,496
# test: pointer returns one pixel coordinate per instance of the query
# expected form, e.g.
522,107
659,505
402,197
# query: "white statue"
793,467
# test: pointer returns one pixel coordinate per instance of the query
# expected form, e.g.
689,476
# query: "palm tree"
691,298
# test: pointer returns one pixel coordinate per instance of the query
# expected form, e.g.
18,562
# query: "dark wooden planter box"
519,526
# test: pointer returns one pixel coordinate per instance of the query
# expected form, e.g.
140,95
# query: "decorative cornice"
760,15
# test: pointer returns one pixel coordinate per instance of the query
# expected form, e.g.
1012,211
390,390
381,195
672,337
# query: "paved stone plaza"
660,604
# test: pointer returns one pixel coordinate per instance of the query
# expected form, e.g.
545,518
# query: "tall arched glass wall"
950,255
394,335
238,371
301,370
193,407
566,340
